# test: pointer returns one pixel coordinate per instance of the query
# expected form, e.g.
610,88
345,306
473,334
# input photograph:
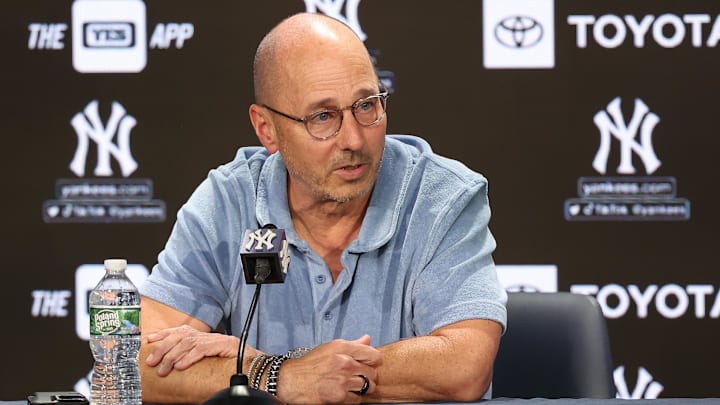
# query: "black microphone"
265,259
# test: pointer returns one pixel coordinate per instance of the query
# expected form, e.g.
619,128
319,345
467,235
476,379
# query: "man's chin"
349,195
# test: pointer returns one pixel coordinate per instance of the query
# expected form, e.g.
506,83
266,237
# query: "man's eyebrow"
367,92
331,103
321,104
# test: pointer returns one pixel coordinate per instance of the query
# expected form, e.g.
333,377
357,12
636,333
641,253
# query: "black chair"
556,346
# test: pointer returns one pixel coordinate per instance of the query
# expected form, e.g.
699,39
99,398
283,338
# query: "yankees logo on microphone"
265,256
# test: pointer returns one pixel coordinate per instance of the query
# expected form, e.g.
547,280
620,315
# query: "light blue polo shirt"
422,259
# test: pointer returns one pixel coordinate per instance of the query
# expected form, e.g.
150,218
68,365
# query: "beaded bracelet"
252,366
271,382
260,372
274,371
256,361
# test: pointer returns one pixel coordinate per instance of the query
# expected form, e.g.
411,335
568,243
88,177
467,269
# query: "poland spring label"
113,320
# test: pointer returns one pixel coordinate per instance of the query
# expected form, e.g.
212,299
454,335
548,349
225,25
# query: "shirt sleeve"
194,273
460,281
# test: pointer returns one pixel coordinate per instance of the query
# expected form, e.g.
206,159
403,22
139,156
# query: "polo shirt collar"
381,218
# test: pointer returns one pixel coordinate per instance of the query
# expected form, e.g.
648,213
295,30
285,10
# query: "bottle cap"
115,264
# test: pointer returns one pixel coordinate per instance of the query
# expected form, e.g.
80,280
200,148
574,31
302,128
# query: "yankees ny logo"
332,8
645,387
611,122
285,256
89,126
260,239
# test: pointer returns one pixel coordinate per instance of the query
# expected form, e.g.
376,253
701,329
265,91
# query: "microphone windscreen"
265,256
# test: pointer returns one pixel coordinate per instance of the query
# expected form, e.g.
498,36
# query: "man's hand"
165,343
330,373
181,347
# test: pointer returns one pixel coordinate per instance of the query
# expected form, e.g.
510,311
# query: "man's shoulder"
251,158
243,171
232,183
420,158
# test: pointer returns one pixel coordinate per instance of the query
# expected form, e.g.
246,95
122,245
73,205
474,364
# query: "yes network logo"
109,36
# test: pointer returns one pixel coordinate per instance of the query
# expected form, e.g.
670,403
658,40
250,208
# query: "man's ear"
264,128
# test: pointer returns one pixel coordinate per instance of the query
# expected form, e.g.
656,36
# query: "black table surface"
614,401
546,401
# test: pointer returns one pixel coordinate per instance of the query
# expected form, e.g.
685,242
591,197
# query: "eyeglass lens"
367,111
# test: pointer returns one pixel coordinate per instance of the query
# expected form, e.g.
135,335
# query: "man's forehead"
329,77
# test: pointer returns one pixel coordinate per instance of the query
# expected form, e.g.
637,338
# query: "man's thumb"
363,340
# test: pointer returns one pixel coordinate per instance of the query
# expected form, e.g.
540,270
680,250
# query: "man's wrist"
255,374
249,354
273,374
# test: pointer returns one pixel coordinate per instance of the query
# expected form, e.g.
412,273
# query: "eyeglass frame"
383,96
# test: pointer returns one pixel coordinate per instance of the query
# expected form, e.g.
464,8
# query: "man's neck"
329,226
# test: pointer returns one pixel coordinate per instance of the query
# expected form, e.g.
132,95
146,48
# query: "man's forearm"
453,364
194,385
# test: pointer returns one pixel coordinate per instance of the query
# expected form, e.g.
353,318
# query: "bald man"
392,293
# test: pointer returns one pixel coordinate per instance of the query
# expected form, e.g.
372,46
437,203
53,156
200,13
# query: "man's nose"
351,135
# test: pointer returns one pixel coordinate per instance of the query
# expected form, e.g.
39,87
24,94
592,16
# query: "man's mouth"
352,167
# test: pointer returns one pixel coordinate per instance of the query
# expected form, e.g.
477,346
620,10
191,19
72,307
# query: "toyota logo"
522,288
518,32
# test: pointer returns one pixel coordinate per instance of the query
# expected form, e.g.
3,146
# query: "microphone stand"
239,392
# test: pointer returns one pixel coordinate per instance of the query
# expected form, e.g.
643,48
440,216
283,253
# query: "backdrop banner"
592,119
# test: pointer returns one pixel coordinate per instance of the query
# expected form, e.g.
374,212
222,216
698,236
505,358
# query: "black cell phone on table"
57,398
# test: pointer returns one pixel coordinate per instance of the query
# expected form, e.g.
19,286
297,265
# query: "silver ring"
365,387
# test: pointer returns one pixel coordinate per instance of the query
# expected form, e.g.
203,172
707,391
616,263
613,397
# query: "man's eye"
365,105
322,116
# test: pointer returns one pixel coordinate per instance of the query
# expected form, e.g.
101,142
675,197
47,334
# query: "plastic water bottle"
115,338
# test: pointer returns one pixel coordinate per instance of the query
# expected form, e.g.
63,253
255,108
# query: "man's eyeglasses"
325,124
